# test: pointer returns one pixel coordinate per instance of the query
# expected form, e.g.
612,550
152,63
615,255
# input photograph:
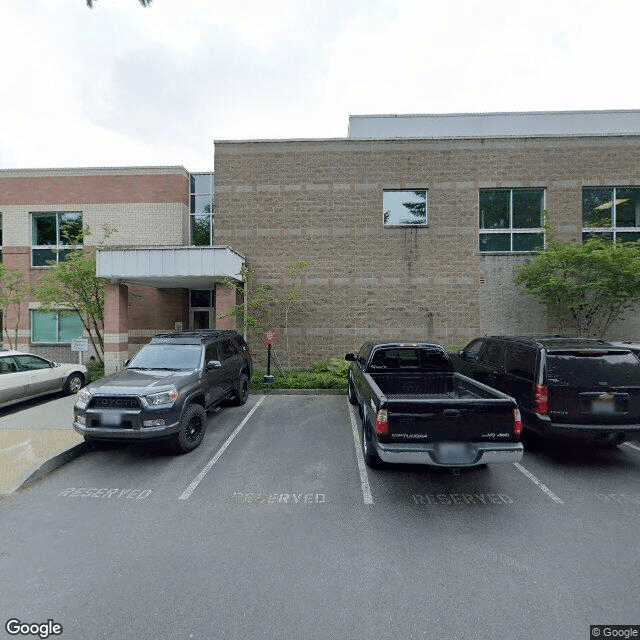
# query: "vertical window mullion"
511,219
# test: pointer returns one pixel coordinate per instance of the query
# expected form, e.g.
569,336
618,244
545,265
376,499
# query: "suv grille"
115,402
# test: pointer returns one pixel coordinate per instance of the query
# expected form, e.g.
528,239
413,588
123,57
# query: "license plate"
111,419
603,406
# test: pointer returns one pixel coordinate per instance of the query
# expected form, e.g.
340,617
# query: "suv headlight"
84,396
166,397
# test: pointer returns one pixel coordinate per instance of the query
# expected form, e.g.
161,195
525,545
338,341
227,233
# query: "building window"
511,219
611,213
404,207
55,326
202,208
202,304
53,235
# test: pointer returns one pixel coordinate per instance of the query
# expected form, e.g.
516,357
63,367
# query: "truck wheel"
241,392
192,429
351,394
73,384
371,458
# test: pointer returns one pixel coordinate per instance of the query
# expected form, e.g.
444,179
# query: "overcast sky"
123,85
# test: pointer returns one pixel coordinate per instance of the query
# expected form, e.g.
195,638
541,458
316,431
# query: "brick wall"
281,201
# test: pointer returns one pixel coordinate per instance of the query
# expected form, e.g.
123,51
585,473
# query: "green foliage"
327,374
585,286
72,284
14,287
96,369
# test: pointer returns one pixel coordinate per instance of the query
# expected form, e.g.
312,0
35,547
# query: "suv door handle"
451,413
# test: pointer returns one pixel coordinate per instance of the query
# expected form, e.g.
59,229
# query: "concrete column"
116,326
225,299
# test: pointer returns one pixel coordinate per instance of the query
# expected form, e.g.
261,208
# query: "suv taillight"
517,422
382,422
540,398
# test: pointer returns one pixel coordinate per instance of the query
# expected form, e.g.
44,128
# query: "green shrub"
96,370
327,374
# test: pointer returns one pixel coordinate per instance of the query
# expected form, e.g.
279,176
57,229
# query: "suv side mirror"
213,364
350,357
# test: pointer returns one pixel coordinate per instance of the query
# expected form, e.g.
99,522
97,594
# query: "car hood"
140,382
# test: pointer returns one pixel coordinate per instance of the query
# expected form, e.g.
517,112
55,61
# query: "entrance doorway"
202,312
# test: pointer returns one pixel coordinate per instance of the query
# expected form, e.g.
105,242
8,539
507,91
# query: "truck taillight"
382,422
517,422
540,398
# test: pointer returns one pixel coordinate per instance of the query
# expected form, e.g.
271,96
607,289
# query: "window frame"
56,249
614,230
194,216
512,231
416,225
57,312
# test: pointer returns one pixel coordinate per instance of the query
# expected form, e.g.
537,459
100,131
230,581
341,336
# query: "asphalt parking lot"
274,528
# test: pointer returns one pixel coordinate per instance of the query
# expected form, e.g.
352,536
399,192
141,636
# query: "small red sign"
270,336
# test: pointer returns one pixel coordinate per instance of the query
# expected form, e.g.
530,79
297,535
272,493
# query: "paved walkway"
35,437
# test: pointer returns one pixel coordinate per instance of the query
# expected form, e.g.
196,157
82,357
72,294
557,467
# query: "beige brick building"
412,226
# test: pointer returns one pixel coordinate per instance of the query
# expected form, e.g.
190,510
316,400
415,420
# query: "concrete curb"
46,467
299,392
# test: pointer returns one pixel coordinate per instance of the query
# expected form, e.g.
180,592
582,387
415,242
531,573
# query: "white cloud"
120,84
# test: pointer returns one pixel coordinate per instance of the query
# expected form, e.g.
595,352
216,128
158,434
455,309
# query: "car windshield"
591,368
167,356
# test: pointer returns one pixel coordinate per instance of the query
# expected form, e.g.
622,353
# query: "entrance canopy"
170,267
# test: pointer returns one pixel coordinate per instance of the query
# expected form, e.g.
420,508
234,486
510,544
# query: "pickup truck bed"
431,417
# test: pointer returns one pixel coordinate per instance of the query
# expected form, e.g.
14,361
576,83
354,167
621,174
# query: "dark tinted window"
364,353
592,369
211,352
521,362
472,351
416,359
228,349
492,354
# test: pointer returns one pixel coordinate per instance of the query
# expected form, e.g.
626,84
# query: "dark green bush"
327,374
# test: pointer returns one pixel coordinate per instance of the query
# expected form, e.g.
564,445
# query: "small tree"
586,286
262,309
73,284
13,290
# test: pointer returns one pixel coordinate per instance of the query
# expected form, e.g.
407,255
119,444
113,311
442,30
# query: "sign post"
80,345
269,338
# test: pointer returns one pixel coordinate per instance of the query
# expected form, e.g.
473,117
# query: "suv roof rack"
196,334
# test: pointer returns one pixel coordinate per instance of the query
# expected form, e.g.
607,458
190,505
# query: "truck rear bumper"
450,454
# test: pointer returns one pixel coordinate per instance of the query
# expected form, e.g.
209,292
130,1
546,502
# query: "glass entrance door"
202,309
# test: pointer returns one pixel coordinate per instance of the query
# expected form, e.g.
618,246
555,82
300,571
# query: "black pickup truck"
416,410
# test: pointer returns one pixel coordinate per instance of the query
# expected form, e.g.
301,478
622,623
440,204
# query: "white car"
24,376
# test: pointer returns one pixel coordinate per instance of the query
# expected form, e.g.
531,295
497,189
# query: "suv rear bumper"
450,454
602,433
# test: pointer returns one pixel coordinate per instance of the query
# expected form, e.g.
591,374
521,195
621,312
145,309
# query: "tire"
351,394
73,384
241,392
371,458
192,429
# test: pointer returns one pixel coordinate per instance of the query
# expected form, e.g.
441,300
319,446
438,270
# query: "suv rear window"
521,362
592,368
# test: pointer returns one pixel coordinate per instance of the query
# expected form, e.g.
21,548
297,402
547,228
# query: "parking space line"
538,484
633,446
364,479
198,479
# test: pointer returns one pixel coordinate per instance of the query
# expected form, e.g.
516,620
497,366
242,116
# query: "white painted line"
364,479
633,446
538,484
15,446
198,479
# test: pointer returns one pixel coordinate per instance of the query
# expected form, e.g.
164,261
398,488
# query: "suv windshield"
589,368
167,356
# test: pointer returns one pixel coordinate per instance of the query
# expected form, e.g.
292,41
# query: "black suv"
566,387
166,389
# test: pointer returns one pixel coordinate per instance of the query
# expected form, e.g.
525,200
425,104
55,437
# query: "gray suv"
166,389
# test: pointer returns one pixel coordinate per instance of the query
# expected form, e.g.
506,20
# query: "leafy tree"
14,288
268,305
585,286
72,283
